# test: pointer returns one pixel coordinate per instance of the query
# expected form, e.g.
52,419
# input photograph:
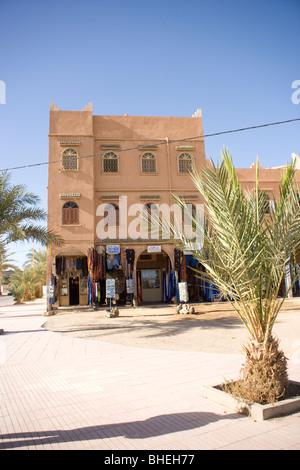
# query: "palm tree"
24,285
37,262
19,212
246,253
5,262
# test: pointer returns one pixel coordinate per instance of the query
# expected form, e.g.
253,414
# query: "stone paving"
62,392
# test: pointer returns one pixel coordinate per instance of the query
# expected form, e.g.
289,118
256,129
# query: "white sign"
183,292
154,249
113,249
130,285
110,288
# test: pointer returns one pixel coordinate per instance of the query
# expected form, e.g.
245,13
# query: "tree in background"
24,285
27,284
20,220
5,263
37,261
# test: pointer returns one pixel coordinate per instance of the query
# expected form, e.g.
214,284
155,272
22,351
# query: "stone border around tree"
255,411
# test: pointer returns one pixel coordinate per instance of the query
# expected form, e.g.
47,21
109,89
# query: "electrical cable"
139,147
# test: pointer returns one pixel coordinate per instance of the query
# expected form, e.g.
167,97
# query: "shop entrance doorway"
152,269
151,285
74,290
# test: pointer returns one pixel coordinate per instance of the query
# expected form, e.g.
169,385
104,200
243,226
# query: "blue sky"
236,60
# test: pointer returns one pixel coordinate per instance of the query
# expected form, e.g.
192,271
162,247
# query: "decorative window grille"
184,163
110,163
148,163
70,213
69,159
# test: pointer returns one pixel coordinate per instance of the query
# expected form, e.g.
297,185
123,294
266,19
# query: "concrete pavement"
63,392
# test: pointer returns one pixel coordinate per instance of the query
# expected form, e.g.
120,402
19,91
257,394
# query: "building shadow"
143,429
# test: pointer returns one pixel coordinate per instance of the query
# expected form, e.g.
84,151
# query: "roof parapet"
197,113
88,107
53,106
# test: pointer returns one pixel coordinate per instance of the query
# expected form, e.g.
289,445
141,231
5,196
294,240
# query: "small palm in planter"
246,252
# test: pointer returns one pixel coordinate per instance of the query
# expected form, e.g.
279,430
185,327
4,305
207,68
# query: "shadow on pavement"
152,427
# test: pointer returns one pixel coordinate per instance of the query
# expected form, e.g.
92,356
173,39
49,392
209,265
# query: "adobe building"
118,162
148,173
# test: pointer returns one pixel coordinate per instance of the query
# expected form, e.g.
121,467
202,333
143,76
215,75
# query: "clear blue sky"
236,60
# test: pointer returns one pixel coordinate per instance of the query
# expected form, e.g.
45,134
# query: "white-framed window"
185,161
69,159
110,163
148,163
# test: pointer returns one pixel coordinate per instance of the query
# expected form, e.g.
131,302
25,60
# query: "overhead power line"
139,147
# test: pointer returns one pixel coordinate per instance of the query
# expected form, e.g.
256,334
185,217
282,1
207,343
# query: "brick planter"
254,410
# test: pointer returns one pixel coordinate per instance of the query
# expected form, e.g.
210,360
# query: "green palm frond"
20,216
245,248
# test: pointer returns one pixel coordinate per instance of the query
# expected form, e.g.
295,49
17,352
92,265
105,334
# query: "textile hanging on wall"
177,259
52,288
96,268
71,264
139,286
129,262
96,264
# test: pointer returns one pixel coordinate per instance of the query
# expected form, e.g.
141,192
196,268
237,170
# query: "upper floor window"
110,163
268,204
111,212
184,163
148,163
70,213
69,159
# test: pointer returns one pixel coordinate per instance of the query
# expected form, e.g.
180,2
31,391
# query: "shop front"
153,272
71,280
141,274
110,262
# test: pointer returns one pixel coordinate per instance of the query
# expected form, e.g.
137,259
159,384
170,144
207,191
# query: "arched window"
189,215
111,211
152,214
69,159
110,163
148,163
266,203
70,213
151,207
184,163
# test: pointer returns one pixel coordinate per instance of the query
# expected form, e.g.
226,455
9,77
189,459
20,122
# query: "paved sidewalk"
63,392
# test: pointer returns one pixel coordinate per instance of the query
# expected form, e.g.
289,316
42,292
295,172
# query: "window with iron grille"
110,163
70,213
184,163
69,159
148,163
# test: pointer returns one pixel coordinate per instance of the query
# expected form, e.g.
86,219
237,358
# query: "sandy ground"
214,327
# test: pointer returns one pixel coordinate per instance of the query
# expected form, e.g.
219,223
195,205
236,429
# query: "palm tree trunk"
264,377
